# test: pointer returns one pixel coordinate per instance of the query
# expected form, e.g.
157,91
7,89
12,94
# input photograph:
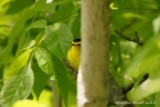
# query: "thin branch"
71,69
136,39
144,78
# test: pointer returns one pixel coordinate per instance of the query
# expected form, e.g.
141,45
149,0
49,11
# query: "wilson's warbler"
73,54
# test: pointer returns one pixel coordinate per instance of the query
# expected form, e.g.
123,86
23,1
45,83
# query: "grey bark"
93,71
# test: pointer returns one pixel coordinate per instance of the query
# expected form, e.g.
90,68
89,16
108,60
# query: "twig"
73,71
136,39
144,78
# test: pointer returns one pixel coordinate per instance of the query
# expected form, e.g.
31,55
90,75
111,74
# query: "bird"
73,54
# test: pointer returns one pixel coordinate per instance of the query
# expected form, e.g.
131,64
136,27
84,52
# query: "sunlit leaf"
147,61
18,87
17,31
156,25
133,15
28,103
44,60
19,62
147,88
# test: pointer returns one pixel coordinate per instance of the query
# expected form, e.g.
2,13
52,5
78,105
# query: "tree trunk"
93,70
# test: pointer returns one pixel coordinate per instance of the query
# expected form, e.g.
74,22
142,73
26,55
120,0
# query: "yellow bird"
73,54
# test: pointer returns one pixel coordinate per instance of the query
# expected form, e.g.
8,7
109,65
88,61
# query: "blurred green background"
35,36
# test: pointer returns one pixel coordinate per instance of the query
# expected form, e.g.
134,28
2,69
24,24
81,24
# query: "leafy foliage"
40,79
17,87
58,39
39,39
136,60
35,36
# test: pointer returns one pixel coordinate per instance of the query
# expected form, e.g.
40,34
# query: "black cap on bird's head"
76,42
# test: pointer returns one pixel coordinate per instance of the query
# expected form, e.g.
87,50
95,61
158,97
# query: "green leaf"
30,40
114,51
58,38
18,87
147,88
72,89
38,24
53,10
157,100
19,62
44,60
61,77
74,22
19,4
63,12
16,32
147,61
1,76
3,40
21,43
156,25
40,79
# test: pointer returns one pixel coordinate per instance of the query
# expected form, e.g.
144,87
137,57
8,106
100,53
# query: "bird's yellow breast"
74,56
